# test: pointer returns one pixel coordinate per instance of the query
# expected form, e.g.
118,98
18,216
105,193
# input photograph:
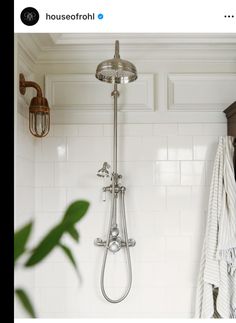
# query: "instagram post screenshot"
124,160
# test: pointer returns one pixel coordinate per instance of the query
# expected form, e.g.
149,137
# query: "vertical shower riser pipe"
115,94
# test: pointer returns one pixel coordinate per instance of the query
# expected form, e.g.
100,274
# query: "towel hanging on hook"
230,113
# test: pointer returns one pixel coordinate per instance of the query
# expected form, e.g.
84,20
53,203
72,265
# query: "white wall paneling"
90,101
85,92
205,92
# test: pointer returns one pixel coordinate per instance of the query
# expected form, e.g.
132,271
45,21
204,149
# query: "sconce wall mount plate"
22,84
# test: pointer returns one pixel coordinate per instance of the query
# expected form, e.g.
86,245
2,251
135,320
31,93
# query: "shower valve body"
118,189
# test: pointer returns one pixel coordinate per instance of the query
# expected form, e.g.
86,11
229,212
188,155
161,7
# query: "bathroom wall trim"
147,38
80,98
83,92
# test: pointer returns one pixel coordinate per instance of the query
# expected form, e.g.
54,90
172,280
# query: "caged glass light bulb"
39,117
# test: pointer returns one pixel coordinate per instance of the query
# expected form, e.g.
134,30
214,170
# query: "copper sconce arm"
24,84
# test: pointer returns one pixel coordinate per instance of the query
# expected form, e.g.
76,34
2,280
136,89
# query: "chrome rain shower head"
116,70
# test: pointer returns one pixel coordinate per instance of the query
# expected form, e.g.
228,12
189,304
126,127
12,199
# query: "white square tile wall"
167,170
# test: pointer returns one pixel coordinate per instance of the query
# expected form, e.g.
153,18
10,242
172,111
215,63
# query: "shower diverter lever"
104,190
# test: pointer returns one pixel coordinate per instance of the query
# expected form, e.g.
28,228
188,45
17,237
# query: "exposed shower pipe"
115,95
115,71
115,175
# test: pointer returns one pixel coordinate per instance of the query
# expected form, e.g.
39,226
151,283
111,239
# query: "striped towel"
216,290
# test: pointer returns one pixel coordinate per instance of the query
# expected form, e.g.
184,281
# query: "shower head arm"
24,84
117,54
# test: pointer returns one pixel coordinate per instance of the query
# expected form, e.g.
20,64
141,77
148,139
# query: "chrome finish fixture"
101,243
115,71
115,232
115,244
104,172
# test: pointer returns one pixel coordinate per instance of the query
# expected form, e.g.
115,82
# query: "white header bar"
147,16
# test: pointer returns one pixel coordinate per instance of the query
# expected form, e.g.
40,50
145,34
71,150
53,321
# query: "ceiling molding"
83,48
146,38
138,56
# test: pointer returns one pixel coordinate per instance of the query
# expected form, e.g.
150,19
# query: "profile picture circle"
29,16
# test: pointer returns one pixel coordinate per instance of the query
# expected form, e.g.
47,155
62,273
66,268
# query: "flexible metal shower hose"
124,228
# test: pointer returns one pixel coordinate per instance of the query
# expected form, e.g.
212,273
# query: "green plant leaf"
20,239
46,245
75,212
25,301
73,233
72,215
70,256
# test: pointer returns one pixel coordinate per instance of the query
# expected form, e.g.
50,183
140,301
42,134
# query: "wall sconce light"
39,112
